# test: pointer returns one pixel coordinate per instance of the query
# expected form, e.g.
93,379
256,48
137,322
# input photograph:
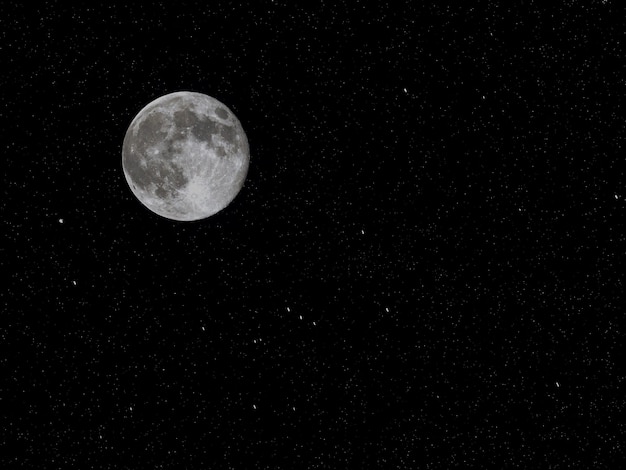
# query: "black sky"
424,269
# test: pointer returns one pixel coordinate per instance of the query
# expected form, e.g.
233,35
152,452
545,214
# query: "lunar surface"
185,156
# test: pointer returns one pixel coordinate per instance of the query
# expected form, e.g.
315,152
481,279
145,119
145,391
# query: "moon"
185,156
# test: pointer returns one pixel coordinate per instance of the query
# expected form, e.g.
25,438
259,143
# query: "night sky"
423,270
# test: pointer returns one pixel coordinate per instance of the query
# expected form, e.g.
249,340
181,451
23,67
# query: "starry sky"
423,270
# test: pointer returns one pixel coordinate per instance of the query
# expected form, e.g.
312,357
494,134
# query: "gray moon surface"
185,156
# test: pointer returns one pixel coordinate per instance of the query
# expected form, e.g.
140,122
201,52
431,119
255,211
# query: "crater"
221,113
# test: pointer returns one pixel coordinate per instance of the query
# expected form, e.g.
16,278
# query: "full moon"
185,156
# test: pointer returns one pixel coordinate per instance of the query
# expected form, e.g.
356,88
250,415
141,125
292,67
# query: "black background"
424,269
